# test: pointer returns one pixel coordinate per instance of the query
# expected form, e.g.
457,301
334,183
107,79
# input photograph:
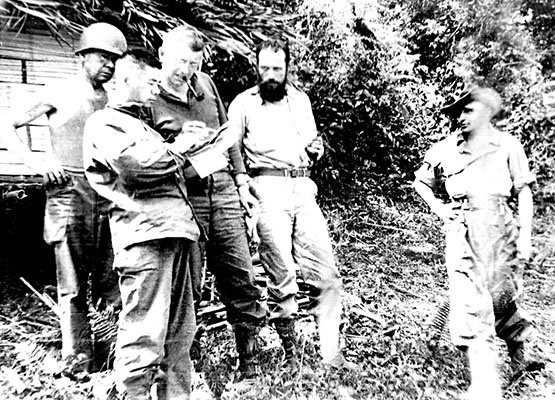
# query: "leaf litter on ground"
390,257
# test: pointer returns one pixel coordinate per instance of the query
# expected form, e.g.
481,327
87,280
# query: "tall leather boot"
247,347
285,328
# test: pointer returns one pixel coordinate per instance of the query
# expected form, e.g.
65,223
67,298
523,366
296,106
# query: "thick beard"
272,91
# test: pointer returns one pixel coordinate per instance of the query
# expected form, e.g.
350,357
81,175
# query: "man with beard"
485,246
279,136
188,98
75,222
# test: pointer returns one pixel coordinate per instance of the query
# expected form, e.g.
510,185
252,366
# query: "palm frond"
234,25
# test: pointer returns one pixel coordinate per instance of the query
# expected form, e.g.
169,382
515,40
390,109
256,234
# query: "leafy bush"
377,73
358,86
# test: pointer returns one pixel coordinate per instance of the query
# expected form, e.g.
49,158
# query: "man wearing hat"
482,168
74,220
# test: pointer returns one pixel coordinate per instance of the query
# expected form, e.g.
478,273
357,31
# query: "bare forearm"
428,196
525,210
13,141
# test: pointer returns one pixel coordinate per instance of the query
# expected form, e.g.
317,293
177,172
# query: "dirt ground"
390,257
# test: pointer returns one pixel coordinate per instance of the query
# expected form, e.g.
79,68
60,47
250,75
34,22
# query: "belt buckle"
466,205
501,204
462,203
299,173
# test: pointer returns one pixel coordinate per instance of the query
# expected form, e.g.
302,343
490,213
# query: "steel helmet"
102,36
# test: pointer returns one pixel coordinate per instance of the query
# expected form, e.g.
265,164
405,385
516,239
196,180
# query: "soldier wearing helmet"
75,223
104,37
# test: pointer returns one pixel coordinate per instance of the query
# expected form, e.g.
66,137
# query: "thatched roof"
234,25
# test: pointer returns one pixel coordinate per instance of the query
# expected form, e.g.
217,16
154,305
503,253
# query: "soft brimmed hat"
486,96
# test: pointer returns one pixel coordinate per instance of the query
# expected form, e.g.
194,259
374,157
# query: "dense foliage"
378,76
377,73
346,70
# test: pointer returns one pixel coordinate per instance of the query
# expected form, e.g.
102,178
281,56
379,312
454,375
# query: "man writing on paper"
153,226
216,184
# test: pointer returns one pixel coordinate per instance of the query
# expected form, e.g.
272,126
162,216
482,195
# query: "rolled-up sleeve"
429,172
518,165
237,118
236,160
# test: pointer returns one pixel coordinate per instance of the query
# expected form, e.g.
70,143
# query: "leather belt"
284,172
481,203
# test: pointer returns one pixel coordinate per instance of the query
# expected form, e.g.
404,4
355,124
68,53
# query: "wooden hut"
37,42
29,59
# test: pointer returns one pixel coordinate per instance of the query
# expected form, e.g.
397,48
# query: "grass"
391,259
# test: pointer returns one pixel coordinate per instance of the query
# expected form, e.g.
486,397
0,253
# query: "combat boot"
521,359
339,362
285,328
140,386
76,367
247,348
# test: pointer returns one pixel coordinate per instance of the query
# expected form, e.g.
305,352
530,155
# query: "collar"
133,109
167,95
195,91
462,145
